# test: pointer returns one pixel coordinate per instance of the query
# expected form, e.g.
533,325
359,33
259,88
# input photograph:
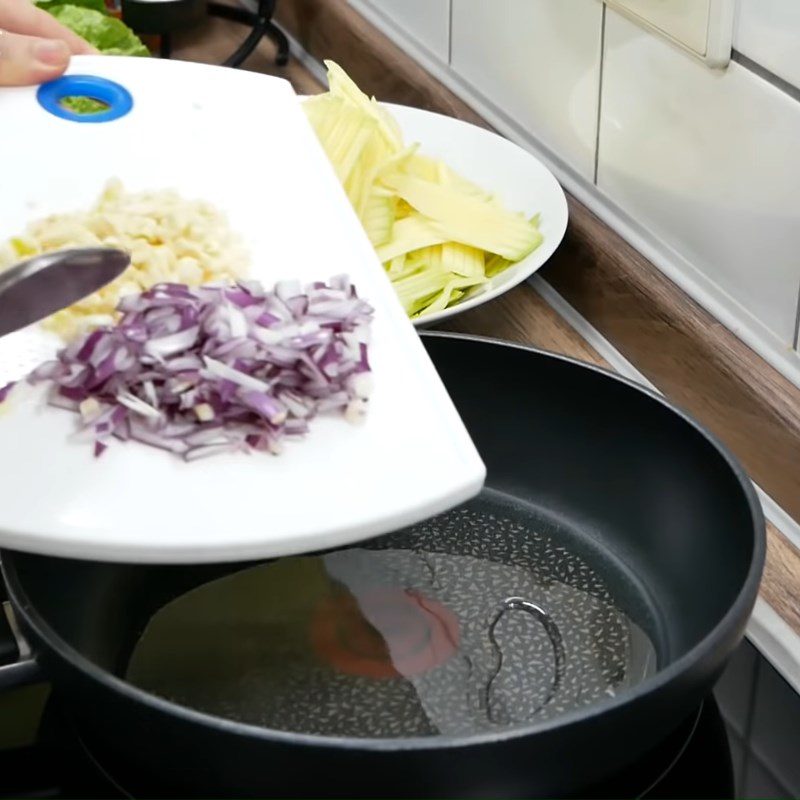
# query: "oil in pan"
476,620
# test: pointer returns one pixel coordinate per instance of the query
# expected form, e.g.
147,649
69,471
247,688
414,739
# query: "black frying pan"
655,502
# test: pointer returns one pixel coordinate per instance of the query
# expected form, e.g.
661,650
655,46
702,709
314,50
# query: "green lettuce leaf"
96,5
83,105
108,34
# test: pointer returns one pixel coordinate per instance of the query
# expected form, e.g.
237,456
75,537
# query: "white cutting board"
241,141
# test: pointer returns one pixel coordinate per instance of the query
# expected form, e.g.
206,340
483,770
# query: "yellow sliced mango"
410,233
347,140
378,219
439,236
342,86
451,291
396,267
356,188
374,158
467,220
422,166
419,289
495,265
468,188
461,259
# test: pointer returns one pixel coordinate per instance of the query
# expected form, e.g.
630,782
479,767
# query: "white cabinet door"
709,162
427,22
537,62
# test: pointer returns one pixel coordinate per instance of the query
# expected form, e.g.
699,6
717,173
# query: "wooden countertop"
522,315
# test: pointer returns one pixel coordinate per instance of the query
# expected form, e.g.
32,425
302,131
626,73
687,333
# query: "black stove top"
56,762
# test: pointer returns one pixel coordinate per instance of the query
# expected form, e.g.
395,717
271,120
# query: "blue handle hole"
85,98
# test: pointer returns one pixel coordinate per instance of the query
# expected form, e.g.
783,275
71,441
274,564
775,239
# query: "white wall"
426,21
768,31
709,160
698,167
540,62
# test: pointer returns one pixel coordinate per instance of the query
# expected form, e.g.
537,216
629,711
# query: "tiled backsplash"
709,161
763,716
428,21
556,48
701,165
768,33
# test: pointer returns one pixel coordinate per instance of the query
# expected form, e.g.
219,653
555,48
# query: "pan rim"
740,608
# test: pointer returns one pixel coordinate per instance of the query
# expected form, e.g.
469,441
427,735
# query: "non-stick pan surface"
653,502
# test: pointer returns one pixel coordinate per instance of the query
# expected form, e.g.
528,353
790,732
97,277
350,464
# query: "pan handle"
18,667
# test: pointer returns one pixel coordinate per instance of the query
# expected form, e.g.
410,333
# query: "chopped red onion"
217,369
5,391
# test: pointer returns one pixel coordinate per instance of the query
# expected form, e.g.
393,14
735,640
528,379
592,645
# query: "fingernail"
51,52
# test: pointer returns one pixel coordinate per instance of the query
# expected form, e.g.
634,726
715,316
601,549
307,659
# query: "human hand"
34,47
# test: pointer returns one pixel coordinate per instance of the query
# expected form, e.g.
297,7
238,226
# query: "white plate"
240,141
521,181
